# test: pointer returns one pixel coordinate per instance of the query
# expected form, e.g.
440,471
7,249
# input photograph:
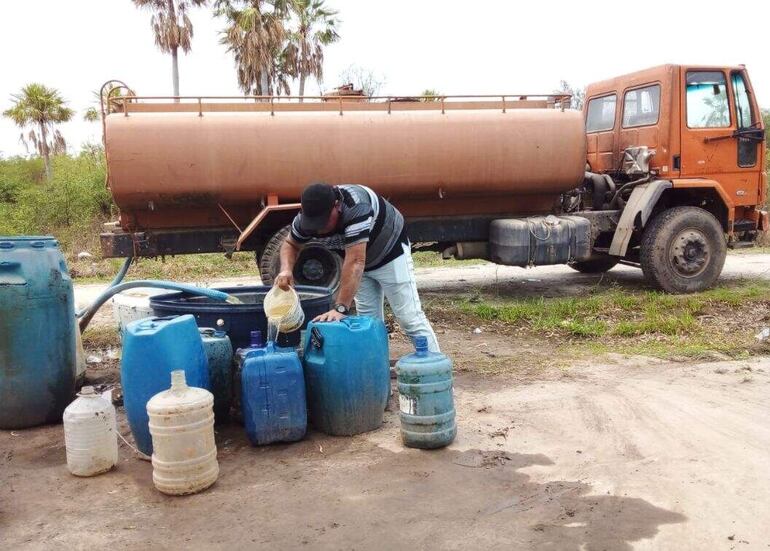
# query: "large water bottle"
425,398
90,434
184,456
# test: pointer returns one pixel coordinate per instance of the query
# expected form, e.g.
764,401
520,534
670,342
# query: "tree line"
273,42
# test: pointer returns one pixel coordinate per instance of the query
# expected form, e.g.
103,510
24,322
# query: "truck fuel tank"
539,240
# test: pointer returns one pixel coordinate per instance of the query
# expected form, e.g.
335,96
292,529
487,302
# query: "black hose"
628,185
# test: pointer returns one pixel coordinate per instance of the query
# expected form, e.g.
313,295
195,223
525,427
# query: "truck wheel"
595,265
683,250
316,265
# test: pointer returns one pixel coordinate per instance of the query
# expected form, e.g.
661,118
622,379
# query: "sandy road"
628,454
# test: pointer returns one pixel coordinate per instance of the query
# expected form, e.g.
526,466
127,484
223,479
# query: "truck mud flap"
636,213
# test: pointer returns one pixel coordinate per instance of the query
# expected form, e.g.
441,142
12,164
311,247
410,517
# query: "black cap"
317,203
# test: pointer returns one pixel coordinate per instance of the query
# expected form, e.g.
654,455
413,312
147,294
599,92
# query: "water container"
184,458
133,305
152,349
347,374
425,398
90,434
239,359
272,394
219,353
37,332
283,308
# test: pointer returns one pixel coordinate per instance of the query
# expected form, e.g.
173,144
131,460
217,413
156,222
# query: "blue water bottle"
425,398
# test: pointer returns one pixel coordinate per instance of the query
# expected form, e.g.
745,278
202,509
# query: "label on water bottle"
407,404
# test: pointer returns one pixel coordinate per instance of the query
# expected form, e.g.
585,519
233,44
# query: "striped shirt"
365,217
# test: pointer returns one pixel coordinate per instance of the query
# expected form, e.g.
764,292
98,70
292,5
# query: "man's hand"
284,280
331,315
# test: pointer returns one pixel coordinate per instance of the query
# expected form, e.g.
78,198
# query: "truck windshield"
707,105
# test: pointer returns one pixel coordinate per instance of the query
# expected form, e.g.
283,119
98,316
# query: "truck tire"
683,250
595,265
316,265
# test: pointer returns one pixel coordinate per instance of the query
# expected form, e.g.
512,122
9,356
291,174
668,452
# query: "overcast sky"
453,46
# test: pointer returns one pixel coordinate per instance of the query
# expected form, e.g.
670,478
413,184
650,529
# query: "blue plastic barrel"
272,393
219,353
37,332
152,349
347,374
425,398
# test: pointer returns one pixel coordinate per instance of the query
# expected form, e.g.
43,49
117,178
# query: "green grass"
615,311
194,267
635,322
431,259
201,267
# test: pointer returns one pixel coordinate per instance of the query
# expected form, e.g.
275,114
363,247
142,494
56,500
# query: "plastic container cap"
421,344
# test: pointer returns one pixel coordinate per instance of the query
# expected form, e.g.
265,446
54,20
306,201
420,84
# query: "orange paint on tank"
173,160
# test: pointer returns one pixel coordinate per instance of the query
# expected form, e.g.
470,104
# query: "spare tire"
595,265
316,265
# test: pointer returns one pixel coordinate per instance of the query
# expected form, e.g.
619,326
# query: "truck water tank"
219,353
37,332
272,394
184,458
152,349
347,372
90,434
171,169
425,398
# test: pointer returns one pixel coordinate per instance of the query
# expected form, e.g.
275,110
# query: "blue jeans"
395,281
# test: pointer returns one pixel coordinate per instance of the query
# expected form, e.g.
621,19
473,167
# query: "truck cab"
702,137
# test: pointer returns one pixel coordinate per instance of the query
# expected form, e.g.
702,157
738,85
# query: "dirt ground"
624,452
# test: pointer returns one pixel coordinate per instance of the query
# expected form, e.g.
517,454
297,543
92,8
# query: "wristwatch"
341,308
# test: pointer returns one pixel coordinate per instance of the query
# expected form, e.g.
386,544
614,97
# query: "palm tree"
316,28
255,34
39,109
172,28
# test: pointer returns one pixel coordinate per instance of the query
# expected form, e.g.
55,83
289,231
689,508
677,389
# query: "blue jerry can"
347,374
219,353
37,332
425,398
272,393
152,349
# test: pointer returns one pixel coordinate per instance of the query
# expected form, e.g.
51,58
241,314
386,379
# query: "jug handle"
316,338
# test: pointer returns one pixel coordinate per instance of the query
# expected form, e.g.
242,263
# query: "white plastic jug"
90,434
283,308
184,457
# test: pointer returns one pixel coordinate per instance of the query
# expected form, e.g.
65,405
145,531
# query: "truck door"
600,132
716,129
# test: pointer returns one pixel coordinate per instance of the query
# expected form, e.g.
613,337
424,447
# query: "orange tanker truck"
663,169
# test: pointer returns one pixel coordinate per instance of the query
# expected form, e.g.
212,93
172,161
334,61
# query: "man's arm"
289,253
352,271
